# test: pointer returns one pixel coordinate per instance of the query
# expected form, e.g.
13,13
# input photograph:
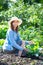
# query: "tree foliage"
3,5
31,15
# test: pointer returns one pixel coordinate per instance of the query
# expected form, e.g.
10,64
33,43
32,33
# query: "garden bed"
11,59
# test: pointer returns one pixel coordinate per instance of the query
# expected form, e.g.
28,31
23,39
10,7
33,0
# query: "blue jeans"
15,51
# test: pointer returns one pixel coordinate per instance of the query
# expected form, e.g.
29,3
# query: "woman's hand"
30,42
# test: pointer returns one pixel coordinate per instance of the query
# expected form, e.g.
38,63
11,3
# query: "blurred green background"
31,13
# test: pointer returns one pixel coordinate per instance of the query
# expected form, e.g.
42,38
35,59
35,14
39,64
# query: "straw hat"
15,18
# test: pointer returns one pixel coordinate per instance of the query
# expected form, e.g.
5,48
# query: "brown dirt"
11,59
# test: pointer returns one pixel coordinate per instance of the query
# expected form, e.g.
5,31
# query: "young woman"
13,42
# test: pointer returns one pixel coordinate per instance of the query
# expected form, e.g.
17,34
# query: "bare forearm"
23,46
20,52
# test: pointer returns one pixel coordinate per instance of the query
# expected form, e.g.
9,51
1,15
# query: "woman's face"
15,24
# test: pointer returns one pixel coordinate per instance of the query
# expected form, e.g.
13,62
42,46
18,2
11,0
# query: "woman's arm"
13,42
25,41
28,42
19,40
23,46
26,50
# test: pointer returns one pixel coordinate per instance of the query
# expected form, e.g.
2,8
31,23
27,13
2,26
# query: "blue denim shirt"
12,40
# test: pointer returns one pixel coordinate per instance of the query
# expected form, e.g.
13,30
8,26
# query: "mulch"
11,59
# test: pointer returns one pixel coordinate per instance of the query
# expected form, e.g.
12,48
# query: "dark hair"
17,29
12,27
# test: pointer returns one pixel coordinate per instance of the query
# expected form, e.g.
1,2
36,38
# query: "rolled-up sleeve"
13,42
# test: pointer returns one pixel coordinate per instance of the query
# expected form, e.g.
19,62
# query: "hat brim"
15,18
20,21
